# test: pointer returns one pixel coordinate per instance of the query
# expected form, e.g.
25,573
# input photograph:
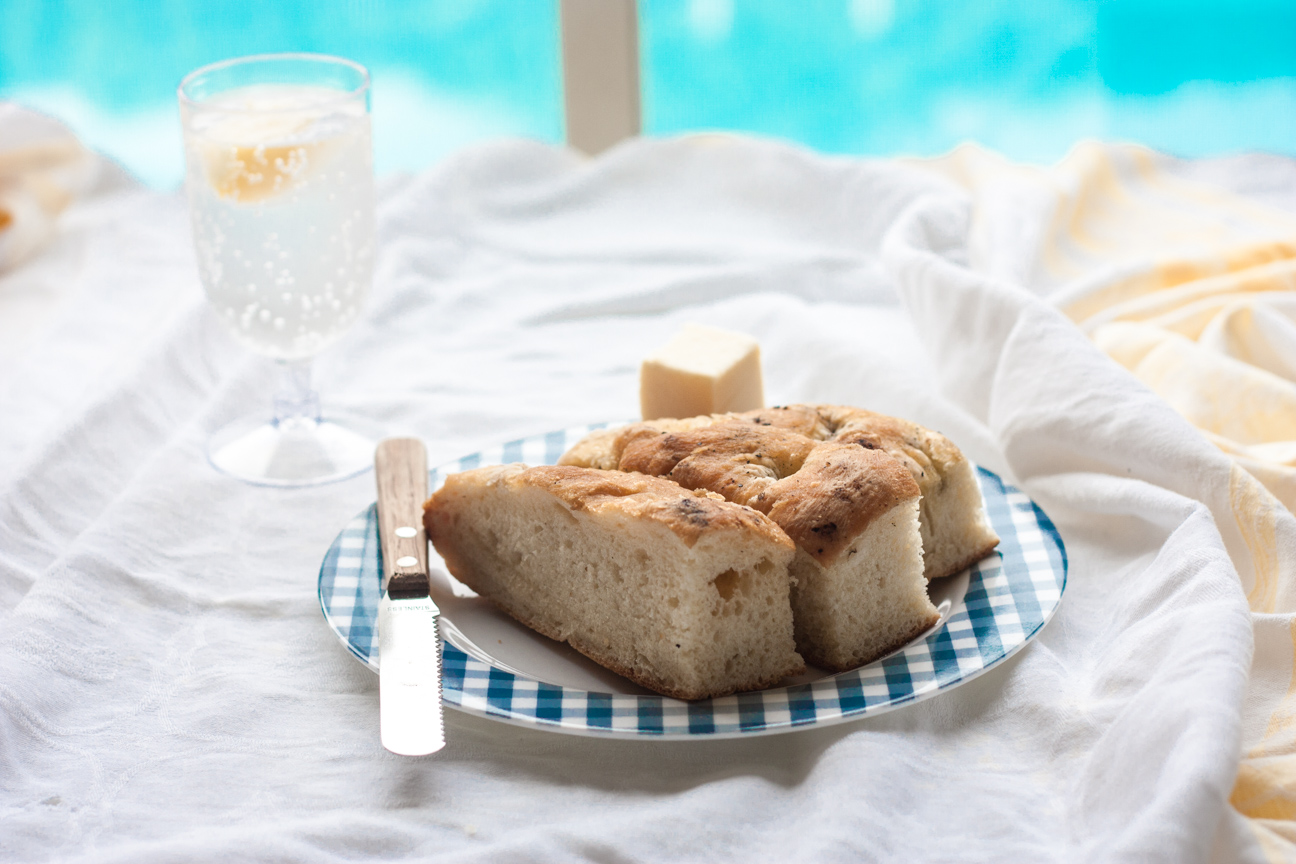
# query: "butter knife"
409,644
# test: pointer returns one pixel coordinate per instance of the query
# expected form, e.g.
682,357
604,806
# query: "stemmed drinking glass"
280,183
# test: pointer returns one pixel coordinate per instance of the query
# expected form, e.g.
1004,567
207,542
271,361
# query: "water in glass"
281,194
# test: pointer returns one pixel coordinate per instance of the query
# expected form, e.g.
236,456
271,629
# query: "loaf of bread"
682,592
852,511
955,530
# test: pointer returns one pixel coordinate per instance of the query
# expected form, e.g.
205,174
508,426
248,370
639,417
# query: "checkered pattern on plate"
1009,598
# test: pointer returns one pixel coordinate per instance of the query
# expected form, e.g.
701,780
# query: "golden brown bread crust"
925,453
687,513
839,491
603,448
823,494
918,448
801,419
595,450
744,456
732,459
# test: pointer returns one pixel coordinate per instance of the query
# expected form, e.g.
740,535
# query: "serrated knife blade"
409,642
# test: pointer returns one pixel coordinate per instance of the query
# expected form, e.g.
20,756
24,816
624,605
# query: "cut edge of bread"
869,602
688,615
956,530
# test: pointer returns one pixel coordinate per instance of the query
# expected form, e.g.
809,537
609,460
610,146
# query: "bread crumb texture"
679,590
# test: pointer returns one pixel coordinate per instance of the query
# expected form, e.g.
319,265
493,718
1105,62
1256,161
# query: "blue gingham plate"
496,668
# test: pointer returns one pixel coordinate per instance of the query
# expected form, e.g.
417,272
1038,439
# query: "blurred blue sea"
1026,77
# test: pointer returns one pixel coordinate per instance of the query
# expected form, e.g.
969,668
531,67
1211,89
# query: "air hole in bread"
727,583
673,602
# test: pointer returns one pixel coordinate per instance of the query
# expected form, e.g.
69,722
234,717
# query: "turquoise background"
878,77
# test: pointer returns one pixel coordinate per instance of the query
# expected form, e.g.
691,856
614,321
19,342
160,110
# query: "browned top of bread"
840,489
822,493
789,432
924,452
687,513
733,459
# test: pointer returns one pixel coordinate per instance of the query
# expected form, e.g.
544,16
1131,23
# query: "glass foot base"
299,451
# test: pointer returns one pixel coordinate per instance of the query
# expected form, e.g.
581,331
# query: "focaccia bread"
873,503
955,530
680,591
858,588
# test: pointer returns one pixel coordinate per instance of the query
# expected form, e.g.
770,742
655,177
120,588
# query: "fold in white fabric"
169,690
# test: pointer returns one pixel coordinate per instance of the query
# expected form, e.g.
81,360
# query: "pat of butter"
703,370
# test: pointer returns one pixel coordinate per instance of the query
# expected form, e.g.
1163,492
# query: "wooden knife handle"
400,465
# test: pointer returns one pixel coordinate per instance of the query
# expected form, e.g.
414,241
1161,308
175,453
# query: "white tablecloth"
170,692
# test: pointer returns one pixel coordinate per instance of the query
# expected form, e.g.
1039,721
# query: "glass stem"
295,400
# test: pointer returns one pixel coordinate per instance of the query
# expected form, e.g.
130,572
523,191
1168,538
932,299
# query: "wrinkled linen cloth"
1192,288
169,690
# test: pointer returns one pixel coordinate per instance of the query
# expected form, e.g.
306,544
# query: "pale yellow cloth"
43,168
1192,288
